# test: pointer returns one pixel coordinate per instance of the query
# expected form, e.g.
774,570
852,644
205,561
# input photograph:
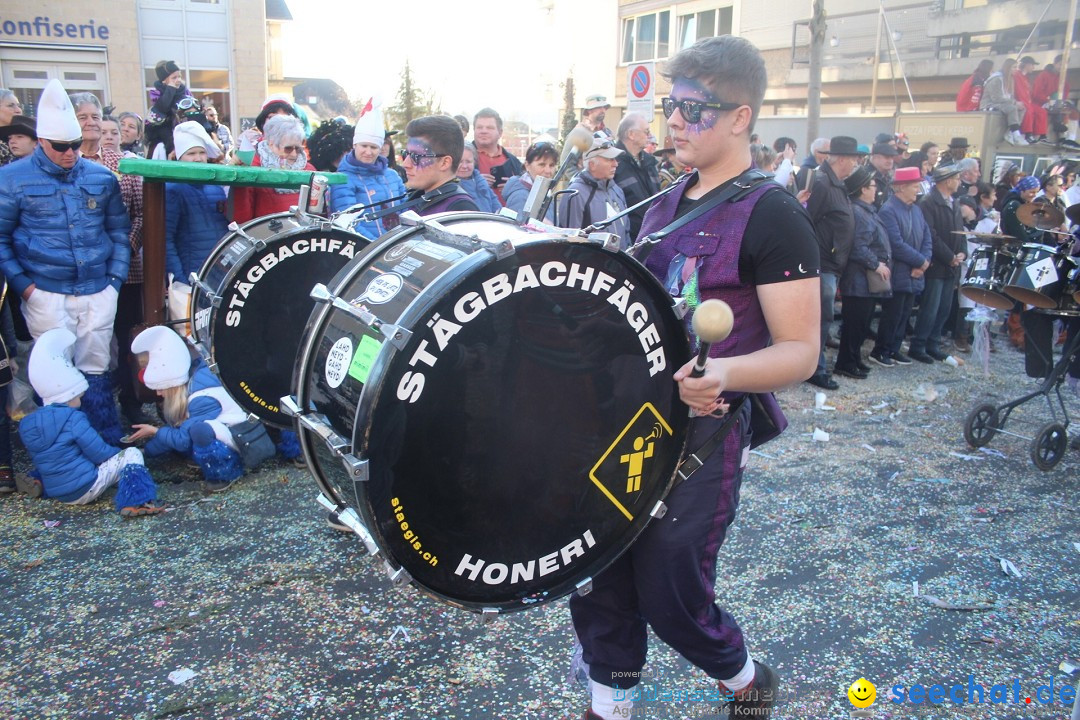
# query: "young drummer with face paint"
758,253
430,159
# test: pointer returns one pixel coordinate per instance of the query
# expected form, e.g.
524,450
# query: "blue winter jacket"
516,191
178,439
368,183
65,231
909,240
194,225
65,449
481,192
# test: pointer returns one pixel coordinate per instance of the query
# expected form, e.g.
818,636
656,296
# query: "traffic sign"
640,87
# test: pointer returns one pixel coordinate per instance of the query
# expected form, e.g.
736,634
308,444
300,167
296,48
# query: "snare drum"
497,405
251,301
988,270
1038,278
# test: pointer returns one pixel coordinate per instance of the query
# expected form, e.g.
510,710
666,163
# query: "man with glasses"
430,159
636,173
64,247
595,195
731,234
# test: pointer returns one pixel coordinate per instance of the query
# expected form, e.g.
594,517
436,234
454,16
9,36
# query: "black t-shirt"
779,243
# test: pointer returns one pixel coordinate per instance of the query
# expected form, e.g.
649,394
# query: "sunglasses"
63,147
691,109
417,157
291,148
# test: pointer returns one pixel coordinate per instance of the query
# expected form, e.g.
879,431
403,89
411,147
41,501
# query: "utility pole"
1061,94
817,49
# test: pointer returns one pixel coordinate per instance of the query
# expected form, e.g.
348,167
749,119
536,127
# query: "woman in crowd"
541,160
371,181
131,133
197,411
282,148
474,183
1054,193
920,160
871,253
250,138
110,135
998,94
9,108
194,213
391,156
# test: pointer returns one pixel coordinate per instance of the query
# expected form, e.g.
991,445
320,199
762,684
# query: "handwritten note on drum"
338,361
366,352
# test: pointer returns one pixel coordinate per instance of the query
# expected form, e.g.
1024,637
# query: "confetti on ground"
838,567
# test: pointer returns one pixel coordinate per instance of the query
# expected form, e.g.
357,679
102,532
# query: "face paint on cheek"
691,89
421,148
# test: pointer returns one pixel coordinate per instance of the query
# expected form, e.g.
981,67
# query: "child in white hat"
198,411
73,464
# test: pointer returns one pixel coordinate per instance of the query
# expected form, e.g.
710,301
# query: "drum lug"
584,587
357,468
398,577
213,297
337,444
609,241
410,218
680,307
396,335
290,407
489,614
659,510
348,516
258,244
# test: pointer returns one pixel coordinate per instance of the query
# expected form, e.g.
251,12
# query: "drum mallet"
712,324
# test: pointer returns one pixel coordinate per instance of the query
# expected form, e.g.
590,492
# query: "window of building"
646,37
708,23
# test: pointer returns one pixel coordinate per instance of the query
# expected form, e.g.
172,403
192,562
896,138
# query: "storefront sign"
43,27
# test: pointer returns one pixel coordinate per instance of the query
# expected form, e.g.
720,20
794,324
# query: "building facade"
223,47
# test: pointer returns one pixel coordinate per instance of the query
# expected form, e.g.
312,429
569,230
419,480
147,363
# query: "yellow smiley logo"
862,693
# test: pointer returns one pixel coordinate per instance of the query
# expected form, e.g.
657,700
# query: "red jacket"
1021,88
252,202
1046,85
967,100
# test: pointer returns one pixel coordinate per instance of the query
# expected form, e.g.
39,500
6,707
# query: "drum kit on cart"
487,402
1001,273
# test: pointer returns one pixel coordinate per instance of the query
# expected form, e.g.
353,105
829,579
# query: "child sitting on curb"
74,465
198,412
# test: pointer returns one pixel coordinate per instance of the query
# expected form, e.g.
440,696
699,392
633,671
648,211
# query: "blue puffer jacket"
178,439
368,183
65,450
194,225
909,240
481,192
65,231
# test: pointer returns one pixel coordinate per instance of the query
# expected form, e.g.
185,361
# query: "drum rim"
412,313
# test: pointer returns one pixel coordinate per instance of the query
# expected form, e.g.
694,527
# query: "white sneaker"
1010,137
1018,139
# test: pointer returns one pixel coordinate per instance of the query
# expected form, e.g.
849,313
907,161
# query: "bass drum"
251,301
496,404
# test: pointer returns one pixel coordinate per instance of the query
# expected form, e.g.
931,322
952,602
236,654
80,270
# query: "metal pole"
1061,96
1036,27
896,51
817,48
877,64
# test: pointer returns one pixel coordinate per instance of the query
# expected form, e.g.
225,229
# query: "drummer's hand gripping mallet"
712,324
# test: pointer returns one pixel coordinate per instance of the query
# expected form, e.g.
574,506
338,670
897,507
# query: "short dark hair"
783,142
540,150
925,147
463,122
983,188
731,67
442,133
488,113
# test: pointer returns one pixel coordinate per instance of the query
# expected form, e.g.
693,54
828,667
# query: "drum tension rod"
584,587
398,576
354,466
680,306
213,297
348,516
257,243
397,335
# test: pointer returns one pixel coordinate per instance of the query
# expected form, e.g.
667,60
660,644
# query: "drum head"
518,442
253,335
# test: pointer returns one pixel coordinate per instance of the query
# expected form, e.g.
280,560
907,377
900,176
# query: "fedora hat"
944,172
844,145
959,142
20,125
856,181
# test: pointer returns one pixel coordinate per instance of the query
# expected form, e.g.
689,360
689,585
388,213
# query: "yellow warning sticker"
619,470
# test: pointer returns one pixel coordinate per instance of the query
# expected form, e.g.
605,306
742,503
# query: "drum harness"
733,191
450,188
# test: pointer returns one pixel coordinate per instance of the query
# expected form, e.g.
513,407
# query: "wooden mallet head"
712,323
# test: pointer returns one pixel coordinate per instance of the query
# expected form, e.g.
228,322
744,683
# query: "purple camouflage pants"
666,579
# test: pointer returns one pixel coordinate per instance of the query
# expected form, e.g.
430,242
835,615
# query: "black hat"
856,181
844,145
20,125
272,105
958,142
165,68
884,138
944,172
886,149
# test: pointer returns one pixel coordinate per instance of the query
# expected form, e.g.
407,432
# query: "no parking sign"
639,89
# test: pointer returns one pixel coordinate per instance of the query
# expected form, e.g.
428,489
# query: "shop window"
708,23
646,37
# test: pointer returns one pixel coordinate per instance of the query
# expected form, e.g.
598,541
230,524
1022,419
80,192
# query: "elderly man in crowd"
64,248
819,149
882,158
636,172
943,217
597,197
968,169
834,220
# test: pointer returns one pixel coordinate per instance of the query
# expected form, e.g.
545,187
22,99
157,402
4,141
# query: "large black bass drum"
496,405
251,301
